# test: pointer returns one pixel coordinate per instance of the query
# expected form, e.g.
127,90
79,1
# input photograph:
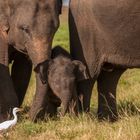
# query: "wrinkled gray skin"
63,76
27,28
105,35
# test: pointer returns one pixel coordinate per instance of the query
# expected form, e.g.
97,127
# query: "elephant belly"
119,24
108,30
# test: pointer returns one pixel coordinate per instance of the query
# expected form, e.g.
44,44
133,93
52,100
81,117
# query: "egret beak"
20,109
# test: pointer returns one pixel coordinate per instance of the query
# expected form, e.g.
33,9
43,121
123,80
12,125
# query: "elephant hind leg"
107,84
21,73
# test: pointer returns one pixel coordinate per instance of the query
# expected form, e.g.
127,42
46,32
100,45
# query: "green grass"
85,127
61,37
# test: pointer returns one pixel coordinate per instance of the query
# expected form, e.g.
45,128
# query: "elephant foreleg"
51,109
21,73
85,91
8,97
74,106
107,84
52,103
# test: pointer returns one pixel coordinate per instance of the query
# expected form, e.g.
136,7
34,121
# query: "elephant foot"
107,115
51,110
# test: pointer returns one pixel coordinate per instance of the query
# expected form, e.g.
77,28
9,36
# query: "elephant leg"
21,73
51,109
8,98
52,102
80,108
74,105
107,84
85,91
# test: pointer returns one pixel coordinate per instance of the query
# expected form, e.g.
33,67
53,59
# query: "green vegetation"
61,37
86,127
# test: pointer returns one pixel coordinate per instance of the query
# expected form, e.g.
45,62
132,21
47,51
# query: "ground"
85,127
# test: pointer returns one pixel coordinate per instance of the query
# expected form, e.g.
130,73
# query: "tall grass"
85,127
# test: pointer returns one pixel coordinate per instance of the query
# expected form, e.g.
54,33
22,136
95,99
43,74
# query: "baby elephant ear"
80,71
42,69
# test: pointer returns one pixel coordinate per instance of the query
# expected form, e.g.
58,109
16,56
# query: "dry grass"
86,127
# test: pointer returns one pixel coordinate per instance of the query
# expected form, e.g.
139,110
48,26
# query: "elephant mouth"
24,51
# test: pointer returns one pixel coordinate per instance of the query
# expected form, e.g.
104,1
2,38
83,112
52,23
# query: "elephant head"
63,76
30,27
70,95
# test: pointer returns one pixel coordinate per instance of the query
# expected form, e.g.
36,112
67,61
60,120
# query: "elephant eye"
25,28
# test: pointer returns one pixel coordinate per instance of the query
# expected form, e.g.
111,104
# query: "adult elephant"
27,28
105,35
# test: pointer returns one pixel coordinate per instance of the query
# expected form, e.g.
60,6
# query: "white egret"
7,124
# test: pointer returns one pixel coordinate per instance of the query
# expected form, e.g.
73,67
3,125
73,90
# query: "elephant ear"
80,70
4,25
42,69
59,5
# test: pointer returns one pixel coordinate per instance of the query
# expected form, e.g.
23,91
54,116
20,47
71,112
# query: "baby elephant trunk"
70,103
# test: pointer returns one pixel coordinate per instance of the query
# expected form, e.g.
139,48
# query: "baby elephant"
63,75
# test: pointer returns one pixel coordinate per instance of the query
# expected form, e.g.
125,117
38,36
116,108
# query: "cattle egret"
7,124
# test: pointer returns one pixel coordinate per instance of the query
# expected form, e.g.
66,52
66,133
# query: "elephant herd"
104,43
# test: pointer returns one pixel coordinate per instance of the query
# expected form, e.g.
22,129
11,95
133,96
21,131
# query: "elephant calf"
63,75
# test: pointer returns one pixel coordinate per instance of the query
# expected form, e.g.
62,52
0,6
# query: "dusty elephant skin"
26,32
105,35
63,76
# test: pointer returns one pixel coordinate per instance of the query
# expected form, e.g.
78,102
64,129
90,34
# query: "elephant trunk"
70,103
40,54
39,51
38,105
67,97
